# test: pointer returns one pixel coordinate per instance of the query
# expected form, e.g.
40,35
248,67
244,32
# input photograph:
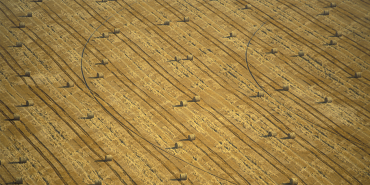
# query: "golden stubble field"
275,118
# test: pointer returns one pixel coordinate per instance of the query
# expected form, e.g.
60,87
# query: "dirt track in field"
137,113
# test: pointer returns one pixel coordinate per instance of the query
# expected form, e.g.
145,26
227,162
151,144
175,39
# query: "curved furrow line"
35,147
117,69
336,96
322,153
151,143
238,56
64,120
218,119
171,115
48,97
342,96
313,47
189,96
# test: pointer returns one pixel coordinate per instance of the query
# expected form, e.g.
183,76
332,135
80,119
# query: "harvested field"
185,92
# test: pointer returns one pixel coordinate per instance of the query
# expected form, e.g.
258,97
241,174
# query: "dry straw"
186,19
183,176
108,158
90,115
29,14
22,160
104,61
18,44
333,42
328,100
260,94
16,116
184,103
358,74
22,25
196,99
178,145
18,180
293,181
70,84
29,102
333,5
326,12
116,30
291,135
166,22
286,87
272,134
301,53
232,34
189,57
27,73
191,137
274,50
248,6
100,75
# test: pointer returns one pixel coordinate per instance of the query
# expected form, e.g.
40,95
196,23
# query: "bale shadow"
11,120
253,96
266,136
279,90
351,77
172,148
99,63
176,105
63,86
93,77
285,137
175,179
85,118
21,105
321,102
15,162
100,160
184,140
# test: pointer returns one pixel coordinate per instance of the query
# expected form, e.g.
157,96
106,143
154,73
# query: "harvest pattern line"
63,110
170,122
35,147
219,13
